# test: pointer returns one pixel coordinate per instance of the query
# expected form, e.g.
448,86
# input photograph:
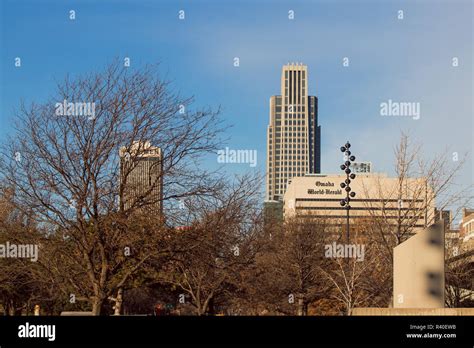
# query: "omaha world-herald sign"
324,188
320,195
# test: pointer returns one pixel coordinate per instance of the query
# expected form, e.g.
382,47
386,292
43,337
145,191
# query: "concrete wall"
412,311
418,270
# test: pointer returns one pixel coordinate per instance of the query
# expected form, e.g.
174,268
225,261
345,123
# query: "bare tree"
65,167
220,245
19,287
286,276
402,209
354,282
459,285
302,256
421,186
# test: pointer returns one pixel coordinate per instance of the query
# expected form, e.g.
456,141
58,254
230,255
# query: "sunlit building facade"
293,135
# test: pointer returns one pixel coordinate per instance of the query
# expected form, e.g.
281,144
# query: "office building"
141,170
293,135
377,195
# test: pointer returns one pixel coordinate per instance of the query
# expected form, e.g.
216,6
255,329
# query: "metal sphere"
347,163
347,153
343,203
352,194
348,189
352,158
343,167
343,185
347,181
347,145
347,171
352,176
343,149
348,206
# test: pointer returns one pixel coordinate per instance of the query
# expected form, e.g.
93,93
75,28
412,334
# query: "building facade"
293,134
467,223
319,196
466,232
141,175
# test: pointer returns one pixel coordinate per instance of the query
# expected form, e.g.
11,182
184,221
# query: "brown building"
467,223
466,231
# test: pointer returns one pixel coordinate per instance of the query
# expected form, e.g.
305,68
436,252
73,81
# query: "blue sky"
403,60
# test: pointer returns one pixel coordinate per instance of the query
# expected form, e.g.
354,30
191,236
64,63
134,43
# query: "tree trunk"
97,305
301,305
349,308
118,302
11,308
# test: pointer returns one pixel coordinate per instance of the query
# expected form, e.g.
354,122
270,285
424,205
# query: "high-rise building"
293,135
141,173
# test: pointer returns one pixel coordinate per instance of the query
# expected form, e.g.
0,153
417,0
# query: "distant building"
319,196
141,173
444,215
466,232
273,211
362,167
467,224
458,241
293,135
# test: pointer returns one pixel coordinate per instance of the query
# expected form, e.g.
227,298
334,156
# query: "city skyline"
356,65
163,161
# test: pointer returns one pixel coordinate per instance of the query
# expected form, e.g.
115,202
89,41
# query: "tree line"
210,252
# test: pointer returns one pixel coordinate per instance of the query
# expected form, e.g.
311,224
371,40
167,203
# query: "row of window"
278,116
303,74
356,200
299,158
294,122
289,152
291,109
285,163
288,141
294,134
289,128
303,81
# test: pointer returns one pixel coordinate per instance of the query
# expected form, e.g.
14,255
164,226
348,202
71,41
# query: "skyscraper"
141,173
293,135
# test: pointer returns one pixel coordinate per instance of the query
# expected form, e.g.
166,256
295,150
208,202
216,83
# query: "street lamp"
345,185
